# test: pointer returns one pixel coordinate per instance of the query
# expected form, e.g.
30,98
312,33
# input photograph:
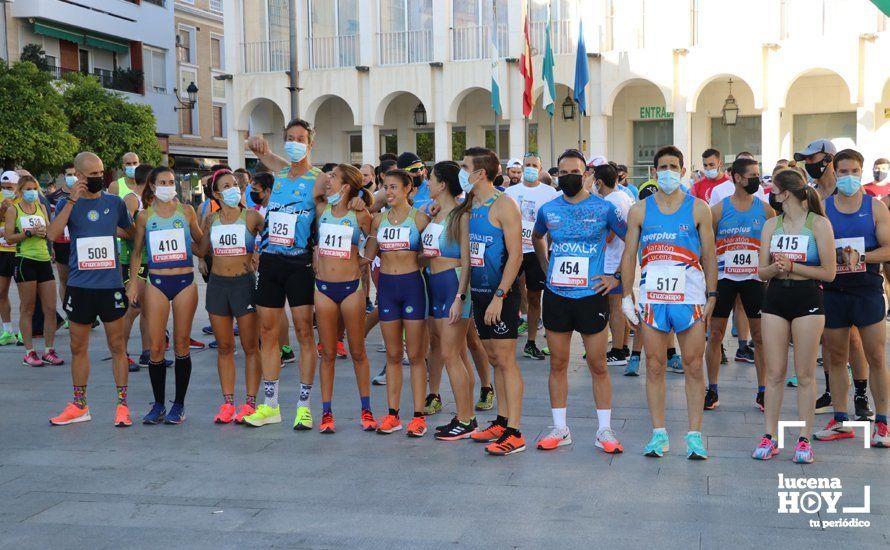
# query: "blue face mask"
711,174
464,178
30,195
333,200
232,196
8,194
849,185
668,181
130,171
295,150
70,181
530,174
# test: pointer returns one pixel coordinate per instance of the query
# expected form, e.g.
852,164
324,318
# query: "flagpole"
552,144
497,125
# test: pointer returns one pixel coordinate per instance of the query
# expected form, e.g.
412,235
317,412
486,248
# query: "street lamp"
568,109
420,115
730,109
189,104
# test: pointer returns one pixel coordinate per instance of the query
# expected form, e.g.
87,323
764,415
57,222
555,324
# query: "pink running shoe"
51,358
32,360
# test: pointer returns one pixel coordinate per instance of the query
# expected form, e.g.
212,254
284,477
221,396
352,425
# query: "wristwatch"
27,232
499,293
617,275
462,297
862,258
713,294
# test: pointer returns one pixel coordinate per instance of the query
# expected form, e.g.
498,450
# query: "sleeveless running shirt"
403,236
799,248
337,236
671,271
488,252
32,248
856,230
738,241
231,239
168,240
290,216
436,242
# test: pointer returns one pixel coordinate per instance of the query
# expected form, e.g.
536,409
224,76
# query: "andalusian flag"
883,5
547,73
525,65
495,89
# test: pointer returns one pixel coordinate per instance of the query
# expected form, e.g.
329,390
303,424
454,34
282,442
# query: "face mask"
711,174
530,174
256,197
295,150
848,185
231,196
418,181
8,194
777,206
333,200
165,193
752,186
570,184
815,169
95,184
130,171
880,175
464,178
70,181
30,195
668,181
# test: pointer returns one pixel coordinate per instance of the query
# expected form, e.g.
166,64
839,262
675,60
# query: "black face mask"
816,169
570,184
95,184
256,197
752,185
368,185
418,181
777,206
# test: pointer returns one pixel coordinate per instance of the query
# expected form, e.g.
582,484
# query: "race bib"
856,243
430,240
282,228
228,240
665,284
167,245
527,228
477,254
66,236
95,253
394,238
334,240
741,262
793,247
570,271
30,222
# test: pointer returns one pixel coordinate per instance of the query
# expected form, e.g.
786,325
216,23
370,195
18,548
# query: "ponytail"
814,202
456,214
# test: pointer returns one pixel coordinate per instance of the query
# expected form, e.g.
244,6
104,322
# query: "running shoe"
369,424
557,437
327,423
545,350
766,449
791,382
207,330
405,361
287,355
196,344
318,349
658,445
155,415
7,338
389,424
122,416
244,410
803,453
176,414
213,345
341,349
607,441
507,444
454,430
51,358
633,366
616,358
759,401
145,358
132,366
863,411
712,400
675,364
263,415
225,415
532,352
303,420
834,430
71,415
486,399
723,359
417,427
381,348
380,379
491,433
745,355
823,404
880,436
432,404
18,339
523,327
32,360
695,449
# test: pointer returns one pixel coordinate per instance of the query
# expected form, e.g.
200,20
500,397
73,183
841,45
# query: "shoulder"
822,223
637,211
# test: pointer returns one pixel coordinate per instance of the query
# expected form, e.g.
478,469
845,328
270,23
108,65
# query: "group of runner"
795,264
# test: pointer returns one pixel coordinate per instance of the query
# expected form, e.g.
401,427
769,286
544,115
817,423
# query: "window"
389,142
185,45
155,62
216,52
490,142
731,140
216,5
186,77
816,126
219,121
333,33
425,145
355,148
188,121
218,87
406,31
471,34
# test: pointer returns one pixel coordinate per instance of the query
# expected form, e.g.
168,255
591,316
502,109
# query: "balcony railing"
265,57
155,2
562,36
216,5
399,48
327,52
124,80
475,42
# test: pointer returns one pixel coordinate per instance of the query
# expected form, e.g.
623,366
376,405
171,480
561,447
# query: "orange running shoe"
244,410
122,416
341,350
417,427
70,415
318,349
327,423
390,424
368,422
607,441
556,438
492,433
226,414
506,445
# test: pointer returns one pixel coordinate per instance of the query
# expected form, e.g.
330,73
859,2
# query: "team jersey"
436,242
93,224
488,251
670,249
615,247
856,230
738,241
168,240
421,199
32,248
231,239
578,232
530,200
337,236
800,247
290,215
403,236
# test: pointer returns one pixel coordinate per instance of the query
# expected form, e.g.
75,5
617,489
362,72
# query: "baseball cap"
597,160
408,161
514,162
10,176
818,146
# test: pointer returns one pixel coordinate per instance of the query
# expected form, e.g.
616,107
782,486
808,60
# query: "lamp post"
730,109
189,104
420,115
568,109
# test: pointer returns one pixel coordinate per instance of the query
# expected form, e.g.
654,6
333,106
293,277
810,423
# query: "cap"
408,161
597,160
514,162
10,176
818,146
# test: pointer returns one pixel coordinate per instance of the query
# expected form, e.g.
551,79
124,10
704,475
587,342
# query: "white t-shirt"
615,248
727,188
530,200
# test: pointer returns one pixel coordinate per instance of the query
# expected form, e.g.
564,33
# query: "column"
235,145
367,28
517,137
475,135
441,31
770,137
597,138
370,135
443,140
682,128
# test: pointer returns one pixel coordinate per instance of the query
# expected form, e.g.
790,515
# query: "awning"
104,44
79,37
56,32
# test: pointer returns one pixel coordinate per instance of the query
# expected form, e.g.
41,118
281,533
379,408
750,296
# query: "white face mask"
165,193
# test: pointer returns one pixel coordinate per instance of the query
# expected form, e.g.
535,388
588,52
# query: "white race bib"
665,284
570,271
477,254
228,240
95,253
857,244
30,221
334,240
793,247
741,262
430,240
167,245
282,228
527,228
392,238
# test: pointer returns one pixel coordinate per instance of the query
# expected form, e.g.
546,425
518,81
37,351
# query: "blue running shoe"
213,345
633,366
657,446
176,414
675,364
155,415
695,450
791,382
145,357
237,333
207,330
766,450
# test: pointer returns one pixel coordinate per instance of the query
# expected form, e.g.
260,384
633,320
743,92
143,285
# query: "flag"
495,89
547,72
525,65
582,77
883,5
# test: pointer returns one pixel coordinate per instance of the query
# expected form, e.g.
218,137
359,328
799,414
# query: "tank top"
122,188
488,252
437,243
738,241
231,239
858,231
670,247
337,235
168,240
799,248
403,236
290,216
32,248
125,246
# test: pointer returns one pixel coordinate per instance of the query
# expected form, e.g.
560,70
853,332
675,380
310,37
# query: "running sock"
861,387
7,327
80,396
326,407
305,392
840,417
659,431
802,440
501,421
671,352
635,353
250,400
827,382
366,402
559,417
229,398
27,351
693,433
122,395
712,387
761,389
418,414
511,431
626,351
743,344
270,390
157,372
604,418
882,418
182,369
394,412
617,352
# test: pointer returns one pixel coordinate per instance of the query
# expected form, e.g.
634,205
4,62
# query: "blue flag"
582,76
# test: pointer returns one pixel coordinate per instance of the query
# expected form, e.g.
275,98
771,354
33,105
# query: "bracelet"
791,268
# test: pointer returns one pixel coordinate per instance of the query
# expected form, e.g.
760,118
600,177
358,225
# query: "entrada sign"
655,112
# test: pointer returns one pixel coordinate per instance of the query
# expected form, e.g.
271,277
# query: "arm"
9,228
464,282
422,220
194,228
203,245
371,245
631,242
827,268
365,219
708,252
259,147
378,201
882,232
767,268
136,257
538,242
125,226
57,227
716,214
511,223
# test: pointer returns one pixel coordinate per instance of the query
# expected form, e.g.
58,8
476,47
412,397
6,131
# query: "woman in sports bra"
796,255
338,287
229,235
401,297
166,229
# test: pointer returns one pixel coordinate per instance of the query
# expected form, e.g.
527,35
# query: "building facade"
393,75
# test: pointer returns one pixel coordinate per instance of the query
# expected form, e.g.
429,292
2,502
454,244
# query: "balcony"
475,42
155,2
120,79
328,52
562,36
265,57
402,47
216,5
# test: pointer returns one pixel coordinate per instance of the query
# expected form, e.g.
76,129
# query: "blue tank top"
437,243
738,241
349,220
290,216
404,236
231,239
806,231
168,240
855,226
488,252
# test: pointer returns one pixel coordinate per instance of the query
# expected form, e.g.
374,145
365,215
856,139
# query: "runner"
714,175
796,252
133,202
166,229
62,245
880,185
678,277
738,221
338,289
123,185
516,172
576,297
26,225
9,181
95,288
